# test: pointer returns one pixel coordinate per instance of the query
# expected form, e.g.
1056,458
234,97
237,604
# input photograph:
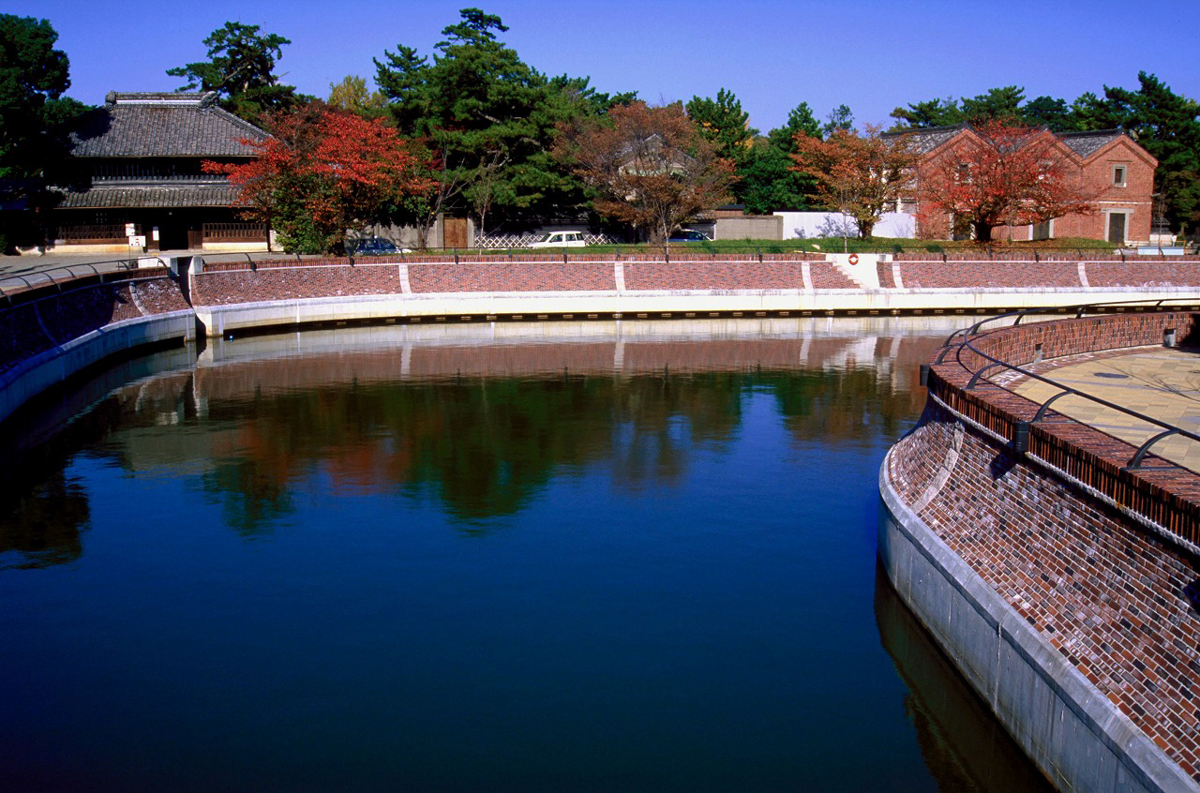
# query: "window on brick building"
1118,175
1043,230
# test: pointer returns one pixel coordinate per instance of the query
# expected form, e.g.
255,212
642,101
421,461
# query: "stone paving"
1160,382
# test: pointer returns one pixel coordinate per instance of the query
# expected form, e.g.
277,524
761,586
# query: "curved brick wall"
52,334
1038,575
55,318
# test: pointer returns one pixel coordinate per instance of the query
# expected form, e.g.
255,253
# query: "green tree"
1049,112
351,95
998,104
839,118
768,181
724,124
488,121
1166,125
241,69
932,113
35,119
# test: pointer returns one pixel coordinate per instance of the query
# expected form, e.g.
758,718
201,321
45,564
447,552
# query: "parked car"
688,235
372,246
560,239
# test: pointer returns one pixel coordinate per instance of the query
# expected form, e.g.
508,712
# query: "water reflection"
529,557
476,418
45,525
964,746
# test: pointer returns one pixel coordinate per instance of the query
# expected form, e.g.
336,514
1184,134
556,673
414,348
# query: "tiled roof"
926,139
151,196
1085,144
163,125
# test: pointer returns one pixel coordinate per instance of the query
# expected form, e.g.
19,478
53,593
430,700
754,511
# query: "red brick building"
1108,166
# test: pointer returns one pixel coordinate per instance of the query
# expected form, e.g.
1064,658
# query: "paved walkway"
1159,382
19,272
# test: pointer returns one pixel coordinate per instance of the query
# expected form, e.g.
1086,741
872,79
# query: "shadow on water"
965,748
44,513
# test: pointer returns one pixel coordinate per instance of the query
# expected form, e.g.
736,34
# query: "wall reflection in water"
478,418
964,746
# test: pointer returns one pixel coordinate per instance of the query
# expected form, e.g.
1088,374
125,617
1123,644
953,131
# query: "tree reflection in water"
481,445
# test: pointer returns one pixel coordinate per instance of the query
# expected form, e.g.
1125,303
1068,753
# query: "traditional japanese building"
137,172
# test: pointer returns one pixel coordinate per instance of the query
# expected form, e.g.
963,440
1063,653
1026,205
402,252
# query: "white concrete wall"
814,224
220,320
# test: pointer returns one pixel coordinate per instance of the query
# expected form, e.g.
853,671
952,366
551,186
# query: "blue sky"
869,54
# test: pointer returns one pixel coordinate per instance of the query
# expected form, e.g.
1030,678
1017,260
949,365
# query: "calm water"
557,557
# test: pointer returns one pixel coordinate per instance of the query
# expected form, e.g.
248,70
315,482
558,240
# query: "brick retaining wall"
1086,560
54,334
55,318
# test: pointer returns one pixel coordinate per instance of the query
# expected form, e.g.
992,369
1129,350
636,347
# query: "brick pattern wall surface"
234,282
826,276
886,278
222,288
68,315
717,275
159,296
1143,273
1169,496
21,335
1103,591
505,276
988,275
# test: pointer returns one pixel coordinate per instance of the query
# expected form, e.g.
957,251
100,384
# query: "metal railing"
14,284
1022,428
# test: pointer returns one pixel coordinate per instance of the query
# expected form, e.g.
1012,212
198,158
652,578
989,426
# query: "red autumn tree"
999,174
859,175
322,173
649,167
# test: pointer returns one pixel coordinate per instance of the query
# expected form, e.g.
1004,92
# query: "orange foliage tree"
322,173
1001,174
649,167
860,175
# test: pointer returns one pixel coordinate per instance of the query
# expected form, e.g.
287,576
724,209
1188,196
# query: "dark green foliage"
1053,114
1168,126
768,183
33,77
839,118
35,122
933,113
998,104
241,69
724,124
488,121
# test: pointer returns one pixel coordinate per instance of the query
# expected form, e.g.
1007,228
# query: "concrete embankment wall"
1053,579
232,297
46,339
